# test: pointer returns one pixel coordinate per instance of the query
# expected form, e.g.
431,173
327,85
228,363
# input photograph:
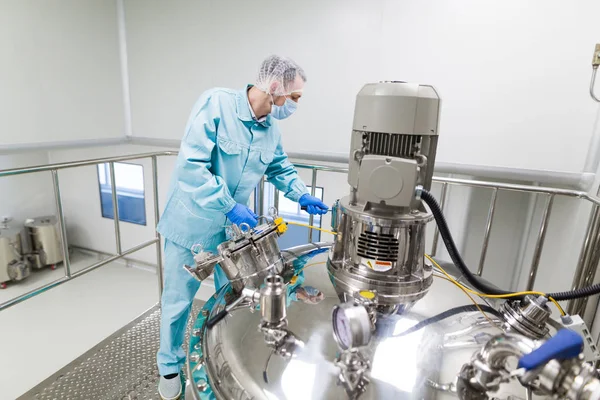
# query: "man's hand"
313,205
241,214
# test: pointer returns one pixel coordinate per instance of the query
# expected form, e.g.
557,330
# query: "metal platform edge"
30,394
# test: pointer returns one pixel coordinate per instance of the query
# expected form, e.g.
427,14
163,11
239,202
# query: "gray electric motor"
380,244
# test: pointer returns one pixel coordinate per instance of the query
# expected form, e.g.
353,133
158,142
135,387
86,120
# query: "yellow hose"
311,227
495,296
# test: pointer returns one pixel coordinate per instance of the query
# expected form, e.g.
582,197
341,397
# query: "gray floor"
123,366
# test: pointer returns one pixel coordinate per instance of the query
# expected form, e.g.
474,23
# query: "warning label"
380,266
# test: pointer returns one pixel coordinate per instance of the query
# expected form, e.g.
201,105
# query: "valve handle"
564,345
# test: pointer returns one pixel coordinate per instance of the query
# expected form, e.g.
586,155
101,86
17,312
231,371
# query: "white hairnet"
281,70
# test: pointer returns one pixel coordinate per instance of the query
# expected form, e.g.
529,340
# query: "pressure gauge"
351,325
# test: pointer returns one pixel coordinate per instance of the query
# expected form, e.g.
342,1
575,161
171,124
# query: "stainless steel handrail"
77,274
83,163
585,272
54,168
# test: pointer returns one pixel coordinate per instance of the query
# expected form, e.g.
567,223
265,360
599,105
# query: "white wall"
513,75
179,49
60,77
26,196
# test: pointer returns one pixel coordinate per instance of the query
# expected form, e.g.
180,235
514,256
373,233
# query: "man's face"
294,95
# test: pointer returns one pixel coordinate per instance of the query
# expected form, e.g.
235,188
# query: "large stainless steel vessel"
416,355
45,241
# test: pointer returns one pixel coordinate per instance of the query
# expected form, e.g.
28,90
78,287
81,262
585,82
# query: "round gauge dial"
341,328
351,325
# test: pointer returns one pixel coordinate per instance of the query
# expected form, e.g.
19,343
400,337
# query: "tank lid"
239,363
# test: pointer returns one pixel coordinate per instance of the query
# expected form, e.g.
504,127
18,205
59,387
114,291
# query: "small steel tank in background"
45,241
12,265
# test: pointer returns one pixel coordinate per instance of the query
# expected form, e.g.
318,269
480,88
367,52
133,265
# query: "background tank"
12,266
45,241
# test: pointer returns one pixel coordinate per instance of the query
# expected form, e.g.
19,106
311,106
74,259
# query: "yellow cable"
560,309
470,297
311,227
441,277
309,265
465,289
496,296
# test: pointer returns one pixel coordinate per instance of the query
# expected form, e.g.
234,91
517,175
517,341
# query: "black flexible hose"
453,250
576,294
449,313
474,280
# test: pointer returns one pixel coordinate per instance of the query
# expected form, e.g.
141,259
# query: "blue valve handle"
564,345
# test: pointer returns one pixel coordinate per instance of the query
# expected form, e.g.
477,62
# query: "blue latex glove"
313,205
240,214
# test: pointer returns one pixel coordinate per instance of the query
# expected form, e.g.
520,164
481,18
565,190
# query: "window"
290,211
129,179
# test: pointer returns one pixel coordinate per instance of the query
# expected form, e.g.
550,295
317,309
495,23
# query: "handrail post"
539,245
61,224
261,197
313,191
159,263
585,254
276,200
588,261
115,201
488,229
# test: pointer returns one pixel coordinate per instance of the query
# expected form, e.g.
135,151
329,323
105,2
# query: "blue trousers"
178,294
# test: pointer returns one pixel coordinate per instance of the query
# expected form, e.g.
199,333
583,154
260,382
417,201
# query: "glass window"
129,181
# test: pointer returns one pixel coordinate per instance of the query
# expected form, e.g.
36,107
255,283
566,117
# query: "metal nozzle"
272,300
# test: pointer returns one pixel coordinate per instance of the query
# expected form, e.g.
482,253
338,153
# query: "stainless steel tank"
12,265
45,241
415,355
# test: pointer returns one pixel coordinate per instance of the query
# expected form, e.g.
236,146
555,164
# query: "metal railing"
69,275
590,252
584,275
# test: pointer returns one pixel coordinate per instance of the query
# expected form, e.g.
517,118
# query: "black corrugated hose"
449,313
576,294
452,249
474,280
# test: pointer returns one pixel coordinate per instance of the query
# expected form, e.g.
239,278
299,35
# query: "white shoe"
169,389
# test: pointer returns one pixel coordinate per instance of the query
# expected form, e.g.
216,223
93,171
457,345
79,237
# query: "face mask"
284,111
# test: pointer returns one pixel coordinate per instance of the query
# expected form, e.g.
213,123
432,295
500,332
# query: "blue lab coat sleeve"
282,174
